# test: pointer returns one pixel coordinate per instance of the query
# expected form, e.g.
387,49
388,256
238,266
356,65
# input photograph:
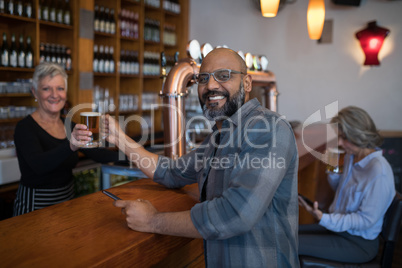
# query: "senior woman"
46,156
349,231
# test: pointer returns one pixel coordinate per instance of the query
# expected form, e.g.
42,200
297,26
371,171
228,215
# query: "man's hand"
112,130
139,214
317,214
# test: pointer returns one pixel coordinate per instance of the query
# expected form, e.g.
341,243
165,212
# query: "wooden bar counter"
90,232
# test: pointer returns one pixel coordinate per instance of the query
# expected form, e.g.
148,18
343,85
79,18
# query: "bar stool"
389,235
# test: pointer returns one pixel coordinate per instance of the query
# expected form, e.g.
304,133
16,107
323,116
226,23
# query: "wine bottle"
63,56
96,19
107,20
45,11
59,11
95,63
5,52
67,13
19,8
42,54
111,60
106,61
13,52
102,19
53,53
28,8
47,53
10,7
101,67
69,60
58,55
29,54
2,6
112,22
21,53
52,11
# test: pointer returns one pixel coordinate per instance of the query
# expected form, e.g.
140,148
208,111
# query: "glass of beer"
92,121
335,158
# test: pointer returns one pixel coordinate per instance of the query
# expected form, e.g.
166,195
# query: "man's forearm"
174,223
143,159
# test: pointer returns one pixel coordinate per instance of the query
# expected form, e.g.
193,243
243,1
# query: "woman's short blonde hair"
45,69
358,127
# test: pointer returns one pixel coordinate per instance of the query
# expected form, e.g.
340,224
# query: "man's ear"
248,83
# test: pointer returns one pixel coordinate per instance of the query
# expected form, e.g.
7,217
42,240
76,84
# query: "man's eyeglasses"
222,75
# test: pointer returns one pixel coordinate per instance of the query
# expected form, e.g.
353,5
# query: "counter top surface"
89,231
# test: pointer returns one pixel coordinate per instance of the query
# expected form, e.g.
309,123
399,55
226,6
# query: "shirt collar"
362,163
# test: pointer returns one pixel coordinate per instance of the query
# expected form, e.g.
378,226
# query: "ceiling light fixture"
315,18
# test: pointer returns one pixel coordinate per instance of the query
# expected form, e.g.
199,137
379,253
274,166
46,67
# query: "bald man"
246,170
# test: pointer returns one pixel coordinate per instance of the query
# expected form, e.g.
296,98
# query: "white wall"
311,75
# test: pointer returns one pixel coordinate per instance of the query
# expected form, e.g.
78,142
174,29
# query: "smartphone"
111,195
308,201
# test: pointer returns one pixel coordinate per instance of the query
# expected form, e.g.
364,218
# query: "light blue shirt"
363,194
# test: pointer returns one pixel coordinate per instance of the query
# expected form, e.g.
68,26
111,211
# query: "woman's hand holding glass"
79,137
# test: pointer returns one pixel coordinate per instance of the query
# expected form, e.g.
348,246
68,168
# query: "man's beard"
231,105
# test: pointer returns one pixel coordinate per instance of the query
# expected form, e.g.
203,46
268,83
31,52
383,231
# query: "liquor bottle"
95,63
96,19
28,8
45,11
39,11
2,6
102,19
63,56
29,54
10,7
107,20
101,67
69,61
52,11
122,62
5,52
53,53
19,8
106,62
67,13
112,22
42,53
47,53
21,53
59,11
111,60
13,52
58,54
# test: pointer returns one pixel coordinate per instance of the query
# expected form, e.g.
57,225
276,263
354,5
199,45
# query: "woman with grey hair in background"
46,156
349,231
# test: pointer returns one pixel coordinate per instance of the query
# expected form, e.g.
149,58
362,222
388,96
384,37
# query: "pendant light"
269,8
315,18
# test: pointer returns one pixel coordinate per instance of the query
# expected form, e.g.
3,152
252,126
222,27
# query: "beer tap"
163,70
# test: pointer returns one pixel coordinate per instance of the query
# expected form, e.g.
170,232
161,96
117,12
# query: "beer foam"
90,114
336,150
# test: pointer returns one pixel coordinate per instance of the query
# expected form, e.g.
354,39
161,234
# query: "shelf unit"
79,89
39,31
137,84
